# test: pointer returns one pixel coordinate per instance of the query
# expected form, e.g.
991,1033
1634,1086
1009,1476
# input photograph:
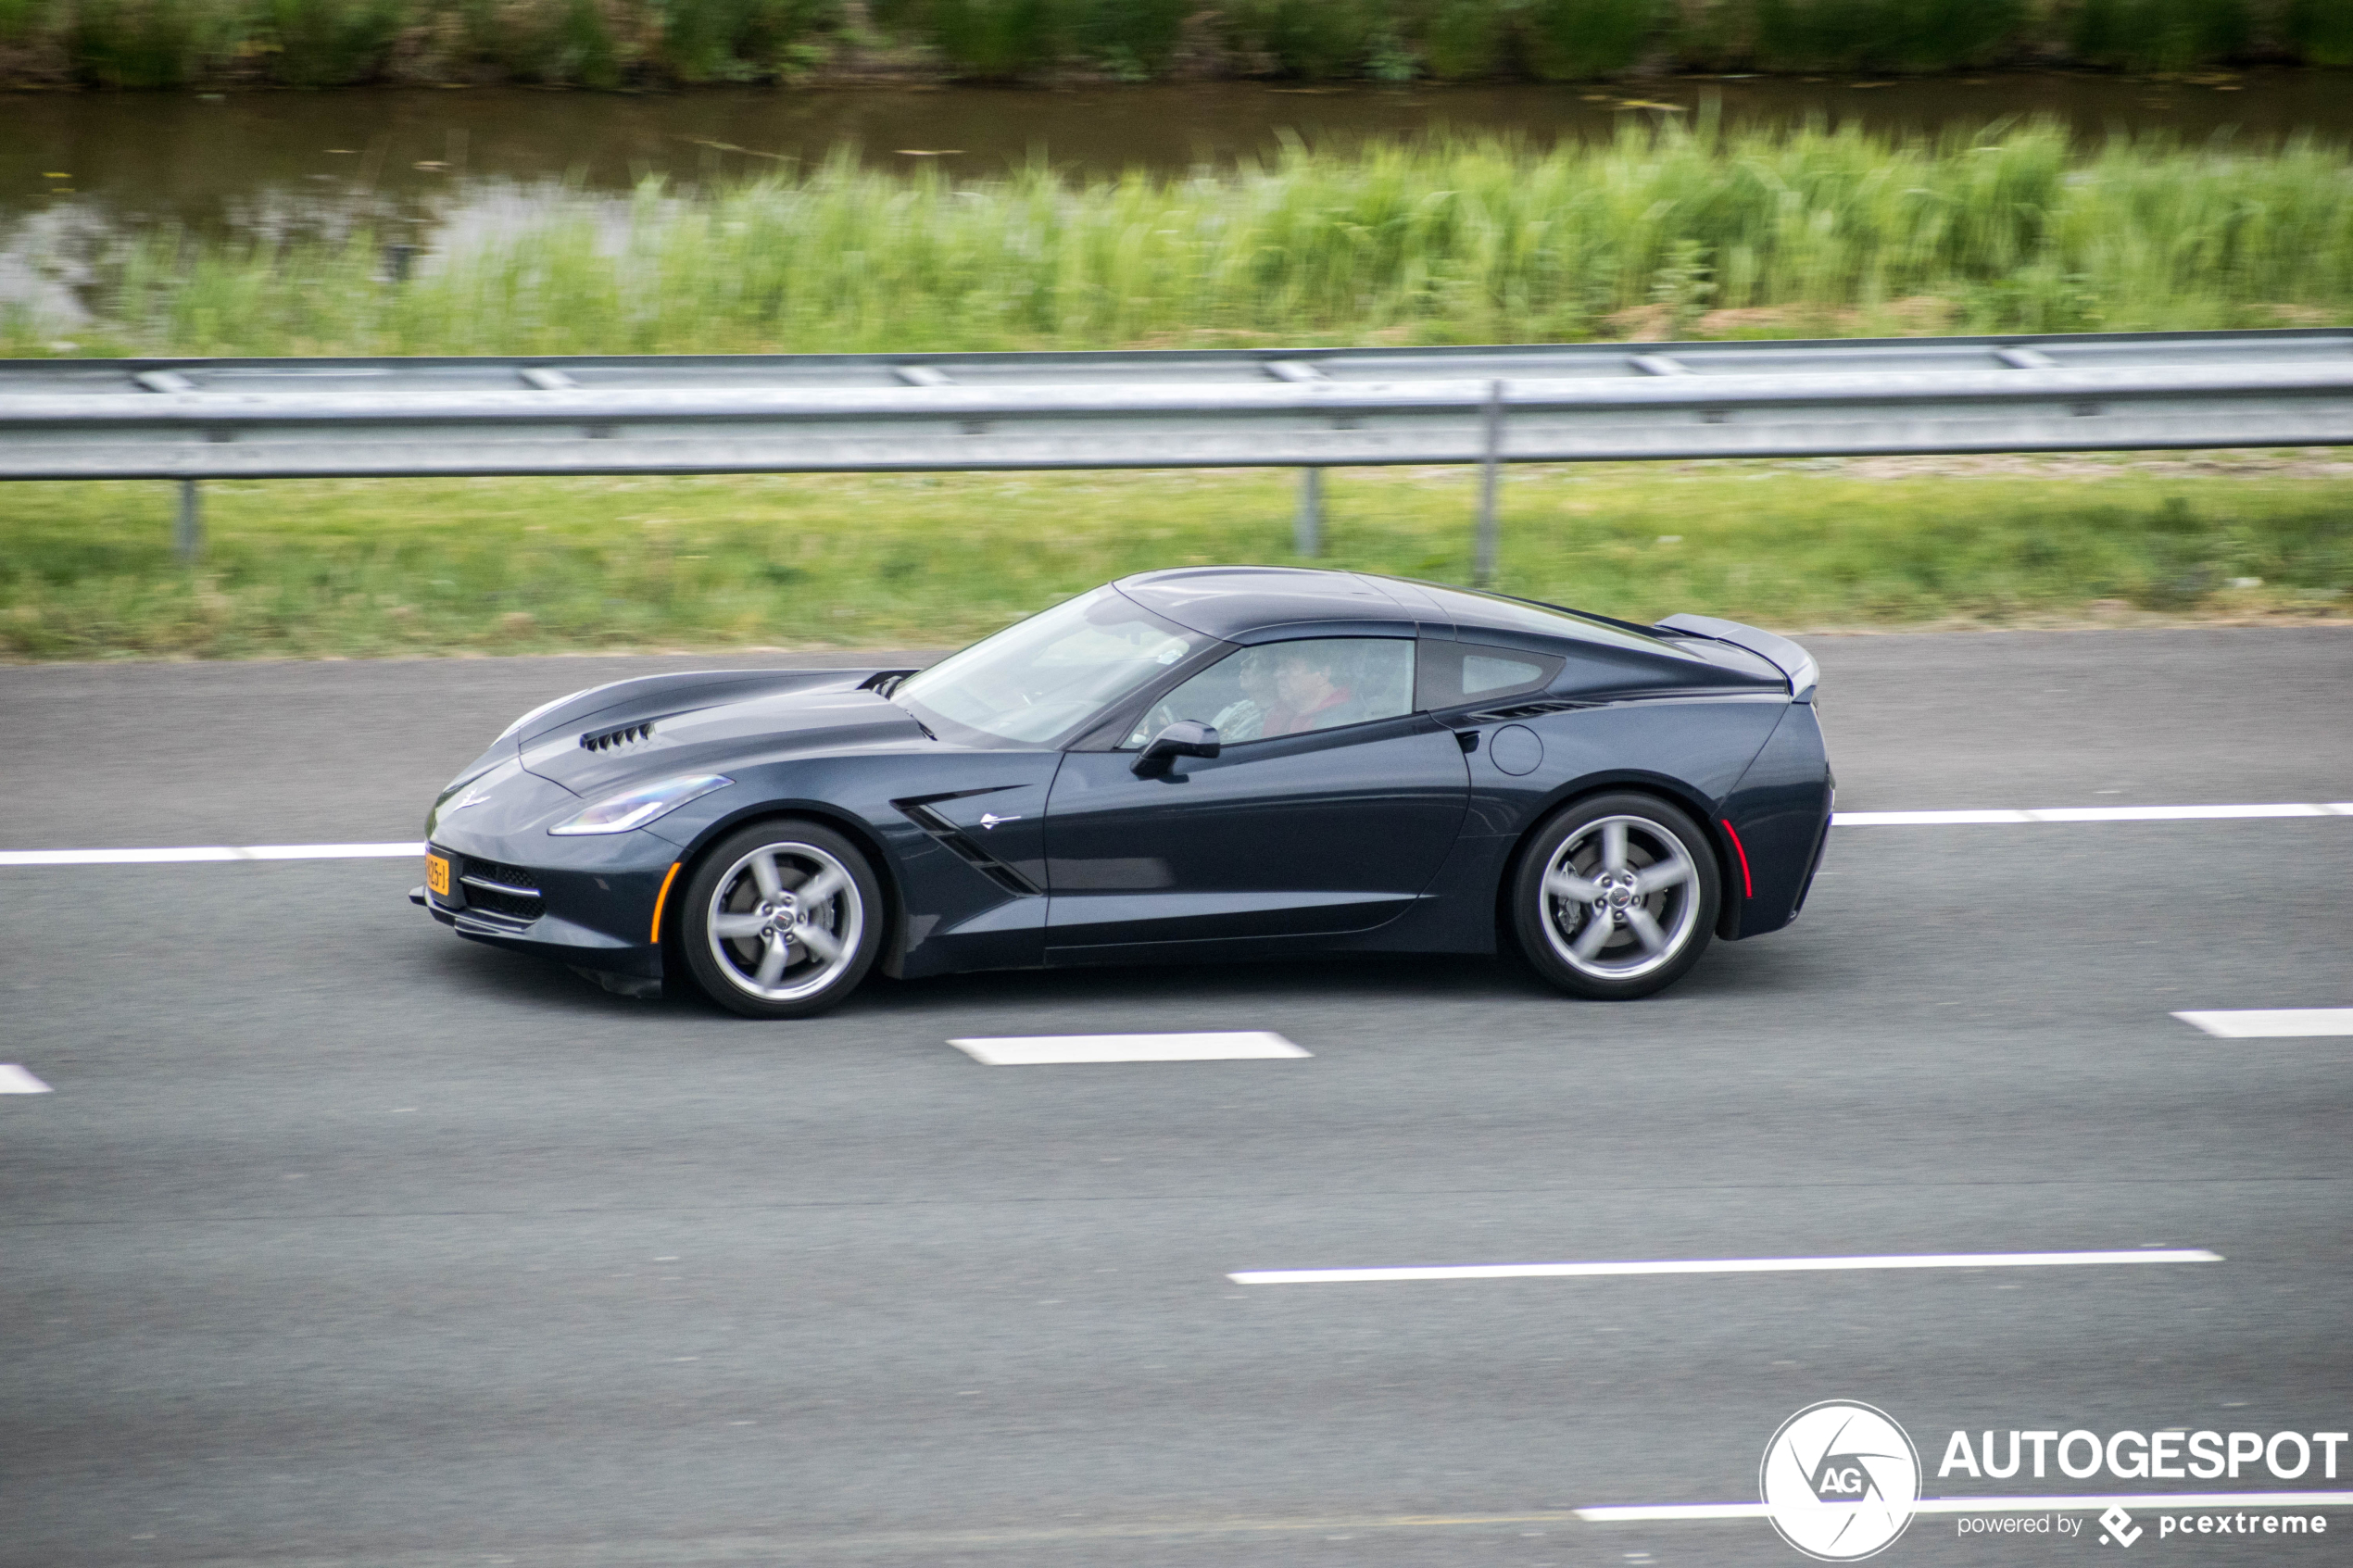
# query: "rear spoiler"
1793,662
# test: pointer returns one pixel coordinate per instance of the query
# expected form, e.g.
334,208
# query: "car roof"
1242,603
1232,602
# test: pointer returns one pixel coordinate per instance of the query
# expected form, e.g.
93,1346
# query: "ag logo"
1839,1480
1842,1479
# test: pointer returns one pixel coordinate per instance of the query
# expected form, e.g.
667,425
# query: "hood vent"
605,740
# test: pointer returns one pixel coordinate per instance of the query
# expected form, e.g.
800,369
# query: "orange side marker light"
664,896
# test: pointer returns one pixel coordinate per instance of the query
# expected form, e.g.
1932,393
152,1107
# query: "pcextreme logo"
1840,1480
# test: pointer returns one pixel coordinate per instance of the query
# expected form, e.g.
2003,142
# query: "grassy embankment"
510,566
614,42
1756,236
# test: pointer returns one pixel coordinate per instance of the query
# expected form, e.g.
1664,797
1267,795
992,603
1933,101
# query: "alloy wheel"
784,921
1622,897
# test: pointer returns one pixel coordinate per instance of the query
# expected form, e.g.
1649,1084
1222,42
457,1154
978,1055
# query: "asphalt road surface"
343,1241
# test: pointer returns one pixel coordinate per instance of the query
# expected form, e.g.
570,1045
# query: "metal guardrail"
221,418
251,419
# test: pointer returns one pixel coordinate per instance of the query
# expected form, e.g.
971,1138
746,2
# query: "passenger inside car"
1309,692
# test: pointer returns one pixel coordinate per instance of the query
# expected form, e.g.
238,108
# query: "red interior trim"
1748,886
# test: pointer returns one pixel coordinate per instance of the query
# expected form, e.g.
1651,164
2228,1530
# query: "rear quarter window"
1450,674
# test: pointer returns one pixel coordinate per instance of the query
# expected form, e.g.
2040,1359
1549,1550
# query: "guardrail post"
1307,527
188,535
1491,467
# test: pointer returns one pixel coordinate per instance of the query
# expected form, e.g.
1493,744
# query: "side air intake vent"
1527,710
958,843
605,740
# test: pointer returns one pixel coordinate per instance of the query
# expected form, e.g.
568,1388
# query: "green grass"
377,568
1675,232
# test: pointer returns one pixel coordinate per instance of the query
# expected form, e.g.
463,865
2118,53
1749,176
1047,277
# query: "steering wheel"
1159,718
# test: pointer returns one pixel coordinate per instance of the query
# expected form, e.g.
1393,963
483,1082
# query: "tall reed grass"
1671,233
603,43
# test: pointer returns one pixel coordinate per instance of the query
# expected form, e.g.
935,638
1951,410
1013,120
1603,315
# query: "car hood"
709,724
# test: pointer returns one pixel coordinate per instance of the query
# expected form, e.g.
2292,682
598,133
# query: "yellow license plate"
437,875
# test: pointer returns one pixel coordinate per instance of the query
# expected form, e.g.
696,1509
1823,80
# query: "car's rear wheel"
781,919
1615,896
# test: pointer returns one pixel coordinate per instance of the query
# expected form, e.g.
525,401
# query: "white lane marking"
1040,1050
1727,1266
1640,1513
175,855
1636,1513
15,1079
209,852
2272,1023
2088,814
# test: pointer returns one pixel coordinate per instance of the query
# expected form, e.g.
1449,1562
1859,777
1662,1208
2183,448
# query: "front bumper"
587,902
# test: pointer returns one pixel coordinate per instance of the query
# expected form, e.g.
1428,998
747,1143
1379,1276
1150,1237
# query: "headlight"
620,813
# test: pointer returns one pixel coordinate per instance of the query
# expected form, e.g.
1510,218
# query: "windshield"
1049,676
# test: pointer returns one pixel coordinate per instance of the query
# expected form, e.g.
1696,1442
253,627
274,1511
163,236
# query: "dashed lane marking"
1636,1513
1725,1266
15,1079
2275,1023
1048,1050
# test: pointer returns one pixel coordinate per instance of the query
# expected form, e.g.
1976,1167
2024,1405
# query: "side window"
1290,689
1451,675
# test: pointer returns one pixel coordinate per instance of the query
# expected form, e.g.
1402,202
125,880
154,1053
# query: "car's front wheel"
781,919
1615,896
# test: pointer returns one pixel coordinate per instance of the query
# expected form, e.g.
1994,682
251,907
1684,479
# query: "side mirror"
1184,738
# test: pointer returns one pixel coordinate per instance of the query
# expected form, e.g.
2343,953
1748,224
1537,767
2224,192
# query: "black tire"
729,962
1658,927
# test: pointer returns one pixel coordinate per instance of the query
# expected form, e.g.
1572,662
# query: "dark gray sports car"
1208,764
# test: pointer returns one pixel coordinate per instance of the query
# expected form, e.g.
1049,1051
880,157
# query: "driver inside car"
1290,689
1245,717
